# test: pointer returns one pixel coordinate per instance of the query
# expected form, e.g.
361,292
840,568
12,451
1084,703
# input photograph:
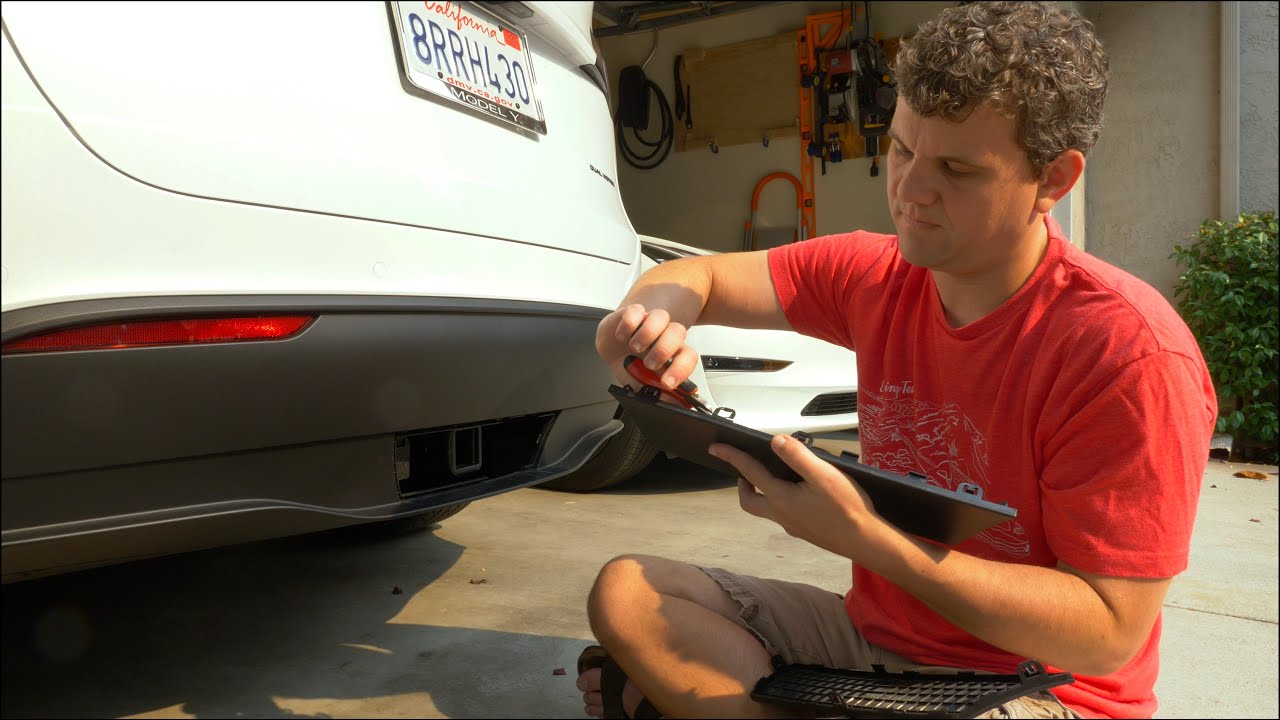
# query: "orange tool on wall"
749,239
821,31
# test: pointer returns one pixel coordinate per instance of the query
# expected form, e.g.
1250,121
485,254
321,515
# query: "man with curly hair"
990,351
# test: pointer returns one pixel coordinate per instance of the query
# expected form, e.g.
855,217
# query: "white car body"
182,160
773,402
257,123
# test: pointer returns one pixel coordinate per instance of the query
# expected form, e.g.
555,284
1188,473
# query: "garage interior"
738,119
1165,117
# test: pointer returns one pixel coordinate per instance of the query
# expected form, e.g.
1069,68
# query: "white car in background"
271,268
776,381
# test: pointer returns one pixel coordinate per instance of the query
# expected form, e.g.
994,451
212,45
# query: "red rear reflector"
162,332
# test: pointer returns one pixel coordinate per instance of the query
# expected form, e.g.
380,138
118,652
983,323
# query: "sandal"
612,680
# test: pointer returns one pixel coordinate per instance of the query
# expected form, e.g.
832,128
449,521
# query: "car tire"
415,523
621,457
399,527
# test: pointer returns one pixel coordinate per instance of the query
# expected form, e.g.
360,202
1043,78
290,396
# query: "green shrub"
1227,296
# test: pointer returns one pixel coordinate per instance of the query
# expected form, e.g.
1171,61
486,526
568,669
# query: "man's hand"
828,509
732,289
1066,618
649,335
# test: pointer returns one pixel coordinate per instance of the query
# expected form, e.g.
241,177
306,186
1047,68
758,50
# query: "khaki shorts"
805,624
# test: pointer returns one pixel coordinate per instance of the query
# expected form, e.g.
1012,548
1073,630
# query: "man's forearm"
681,287
1036,612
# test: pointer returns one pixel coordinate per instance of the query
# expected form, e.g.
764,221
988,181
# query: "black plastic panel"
365,367
907,501
831,404
56,523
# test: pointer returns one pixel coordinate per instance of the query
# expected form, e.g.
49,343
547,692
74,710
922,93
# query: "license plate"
467,56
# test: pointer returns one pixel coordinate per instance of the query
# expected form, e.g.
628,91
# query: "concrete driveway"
476,618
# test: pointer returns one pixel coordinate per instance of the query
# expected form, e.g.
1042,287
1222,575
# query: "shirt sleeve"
816,281
1122,475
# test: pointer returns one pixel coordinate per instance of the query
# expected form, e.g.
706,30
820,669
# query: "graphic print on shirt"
901,433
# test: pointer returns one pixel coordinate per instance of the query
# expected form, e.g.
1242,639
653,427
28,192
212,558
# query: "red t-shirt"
1082,401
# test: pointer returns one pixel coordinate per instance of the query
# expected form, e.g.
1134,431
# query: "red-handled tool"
684,393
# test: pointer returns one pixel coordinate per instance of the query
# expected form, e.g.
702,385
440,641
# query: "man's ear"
1058,178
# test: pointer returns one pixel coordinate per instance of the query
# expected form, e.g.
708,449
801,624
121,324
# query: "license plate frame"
457,52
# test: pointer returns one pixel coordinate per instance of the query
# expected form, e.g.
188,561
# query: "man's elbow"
1110,657
1126,611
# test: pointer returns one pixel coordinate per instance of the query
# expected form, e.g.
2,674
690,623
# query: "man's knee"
620,583
629,584
627,590
636,573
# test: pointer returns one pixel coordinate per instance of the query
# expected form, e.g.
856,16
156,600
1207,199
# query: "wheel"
399,527
621,457
414,523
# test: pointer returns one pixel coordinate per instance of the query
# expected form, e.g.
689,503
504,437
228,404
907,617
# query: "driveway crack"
1222,614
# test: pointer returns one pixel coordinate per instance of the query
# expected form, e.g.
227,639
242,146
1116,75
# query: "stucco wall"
702,199
1153,176
1259,148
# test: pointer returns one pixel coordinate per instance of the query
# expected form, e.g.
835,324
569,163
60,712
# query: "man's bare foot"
589,684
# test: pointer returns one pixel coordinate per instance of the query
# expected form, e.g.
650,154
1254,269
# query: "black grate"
832,404
881,694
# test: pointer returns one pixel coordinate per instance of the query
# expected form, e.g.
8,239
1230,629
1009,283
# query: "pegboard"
739,93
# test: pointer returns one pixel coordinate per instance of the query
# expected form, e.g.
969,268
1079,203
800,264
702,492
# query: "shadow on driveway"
299,627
